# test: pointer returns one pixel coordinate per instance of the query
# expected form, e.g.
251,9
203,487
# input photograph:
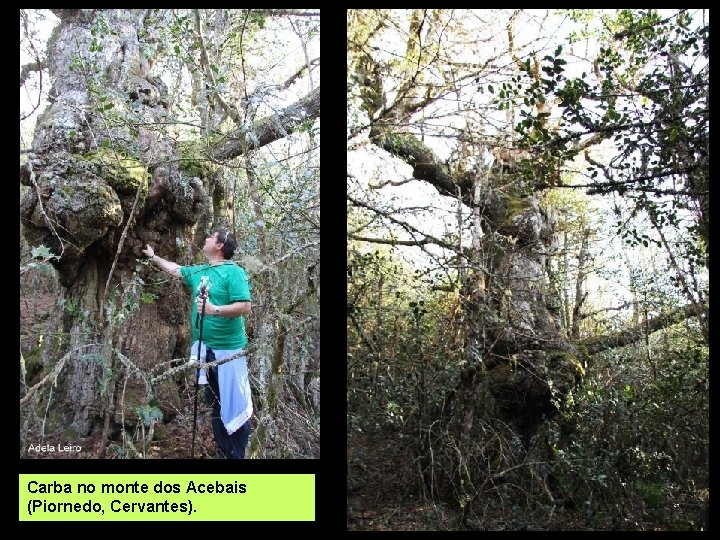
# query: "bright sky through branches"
470,38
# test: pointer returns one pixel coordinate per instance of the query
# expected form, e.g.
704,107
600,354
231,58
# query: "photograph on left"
169,234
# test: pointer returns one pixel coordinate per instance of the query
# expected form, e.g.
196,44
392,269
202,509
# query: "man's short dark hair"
226,238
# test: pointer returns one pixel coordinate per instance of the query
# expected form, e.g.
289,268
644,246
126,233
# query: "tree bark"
85,170
271,128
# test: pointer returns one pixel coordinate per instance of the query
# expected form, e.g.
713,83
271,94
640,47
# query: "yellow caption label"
167,497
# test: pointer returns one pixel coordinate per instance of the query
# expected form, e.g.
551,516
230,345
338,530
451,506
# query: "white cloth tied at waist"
234,384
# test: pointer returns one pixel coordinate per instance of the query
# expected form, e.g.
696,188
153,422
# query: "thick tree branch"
426,165
270,129
598,344
299,72
595,138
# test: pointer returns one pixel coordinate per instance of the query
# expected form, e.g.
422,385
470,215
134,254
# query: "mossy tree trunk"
101,186
523,363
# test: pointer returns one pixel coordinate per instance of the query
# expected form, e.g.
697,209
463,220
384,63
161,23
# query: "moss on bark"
121,172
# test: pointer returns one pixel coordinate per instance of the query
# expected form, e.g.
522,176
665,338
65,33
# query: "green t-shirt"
226,283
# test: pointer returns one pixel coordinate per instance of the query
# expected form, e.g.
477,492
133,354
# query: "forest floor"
385,493
383,490
172,440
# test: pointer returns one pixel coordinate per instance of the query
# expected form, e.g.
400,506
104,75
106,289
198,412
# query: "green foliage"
651,493
402,349
648,96
147,298
40,262
149,413
72,308
123,301
43,253
637,431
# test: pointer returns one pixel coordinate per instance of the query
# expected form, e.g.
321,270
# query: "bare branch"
205,64
409,228
298,73
392,183
287,256
38,62
128,224
603,310
699,310
392,242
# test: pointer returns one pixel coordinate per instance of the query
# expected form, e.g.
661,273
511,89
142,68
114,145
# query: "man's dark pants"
229,446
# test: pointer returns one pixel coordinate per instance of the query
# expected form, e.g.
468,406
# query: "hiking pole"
203,295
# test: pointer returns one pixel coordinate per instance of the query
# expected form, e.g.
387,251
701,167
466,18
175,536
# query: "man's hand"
166,266
148,251
209,308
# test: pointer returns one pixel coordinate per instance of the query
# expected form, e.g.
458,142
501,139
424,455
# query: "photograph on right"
527,269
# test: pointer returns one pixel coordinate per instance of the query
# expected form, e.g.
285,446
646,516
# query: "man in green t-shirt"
228,299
